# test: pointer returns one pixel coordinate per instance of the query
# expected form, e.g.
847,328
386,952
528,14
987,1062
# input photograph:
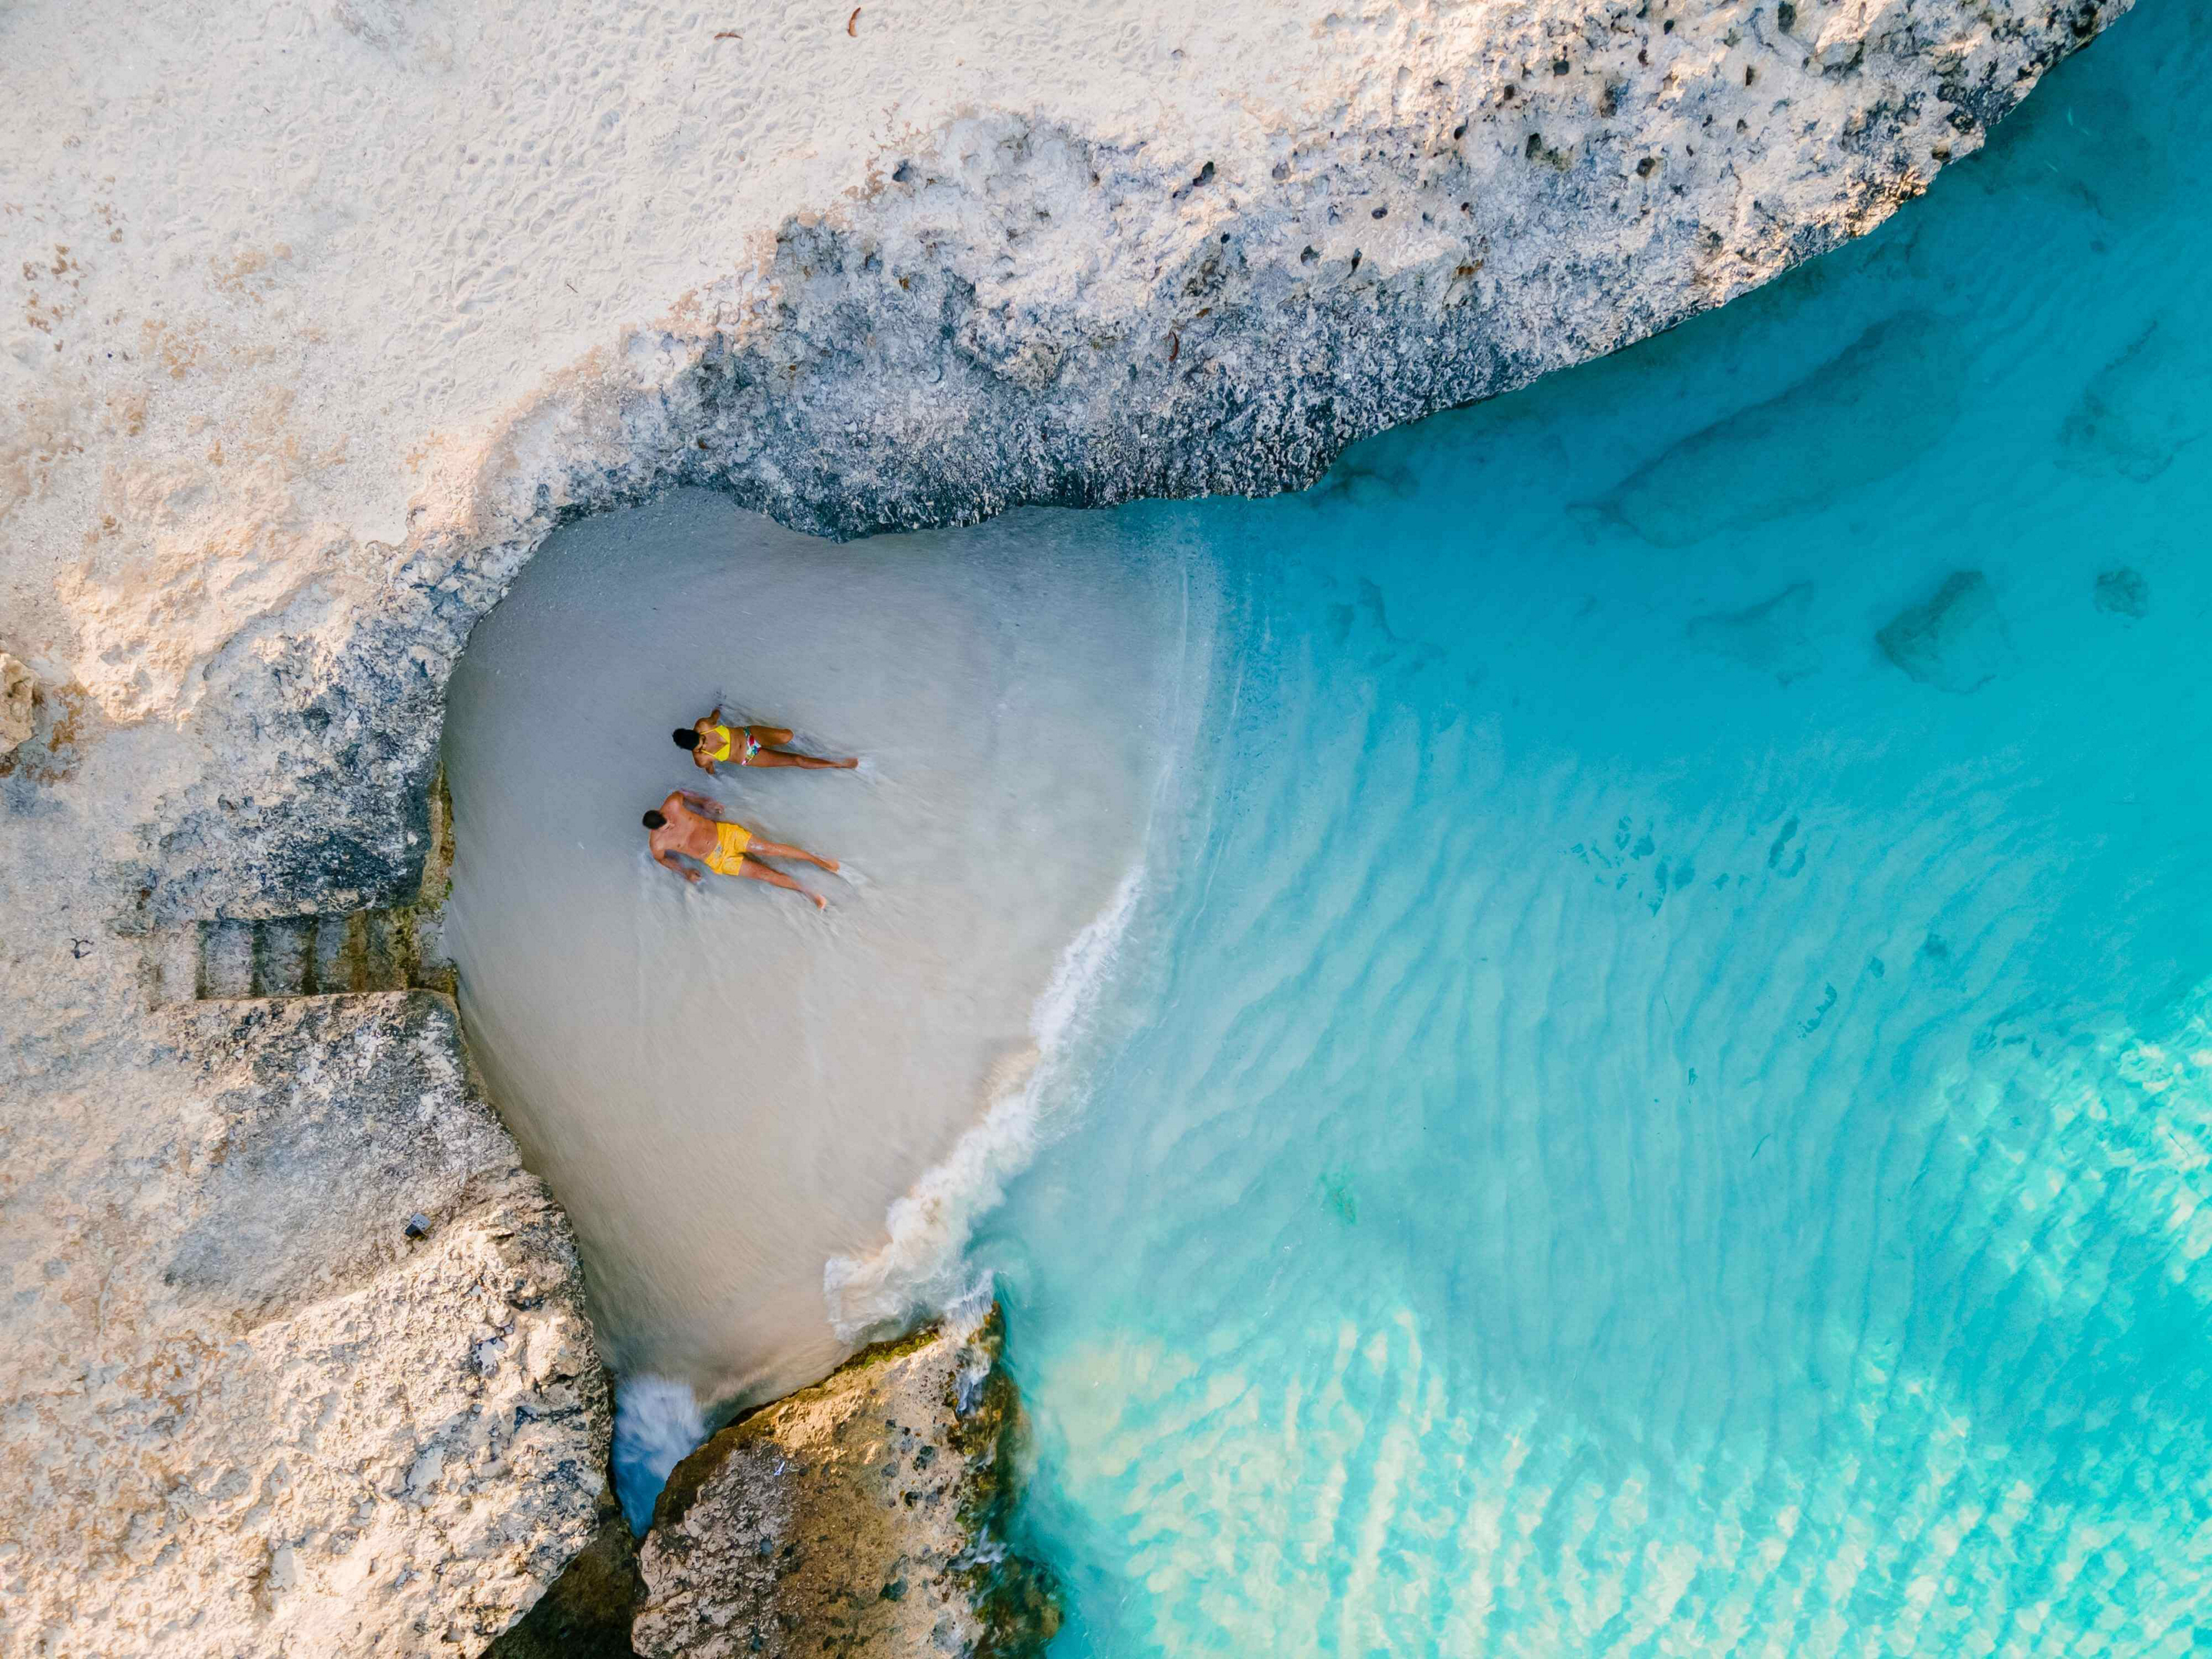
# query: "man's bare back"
692,826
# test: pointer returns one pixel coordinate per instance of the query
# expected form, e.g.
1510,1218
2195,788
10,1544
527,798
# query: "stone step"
230,960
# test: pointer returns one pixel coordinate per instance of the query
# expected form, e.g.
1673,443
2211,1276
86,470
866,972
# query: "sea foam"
657,1423
920,1266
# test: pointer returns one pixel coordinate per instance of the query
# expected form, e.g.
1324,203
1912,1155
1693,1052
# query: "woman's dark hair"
654,820
686,737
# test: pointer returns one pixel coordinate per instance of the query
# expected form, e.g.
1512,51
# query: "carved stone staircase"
309,955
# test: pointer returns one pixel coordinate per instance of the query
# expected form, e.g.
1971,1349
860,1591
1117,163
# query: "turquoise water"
1661,1098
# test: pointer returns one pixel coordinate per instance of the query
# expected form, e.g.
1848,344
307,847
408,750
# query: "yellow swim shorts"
731,841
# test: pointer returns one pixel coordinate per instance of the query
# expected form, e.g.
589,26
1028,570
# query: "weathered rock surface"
856,1517
15,687
587,1613
249,1413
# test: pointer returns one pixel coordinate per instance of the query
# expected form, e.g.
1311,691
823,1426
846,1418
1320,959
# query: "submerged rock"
2124,593
858,1517
2135,417
1770,637
1896,388
1957,641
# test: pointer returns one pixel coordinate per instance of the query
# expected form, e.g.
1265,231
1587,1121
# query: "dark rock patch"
1862,416
1957,641
2124,593
1769,638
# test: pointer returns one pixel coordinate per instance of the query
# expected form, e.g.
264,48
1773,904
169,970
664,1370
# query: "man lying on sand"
711,739
694,826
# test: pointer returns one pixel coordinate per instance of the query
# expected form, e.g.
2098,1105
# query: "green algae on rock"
860,1517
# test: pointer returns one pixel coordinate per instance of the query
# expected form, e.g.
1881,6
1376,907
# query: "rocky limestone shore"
865,1514
324,319
301,1364
862,1515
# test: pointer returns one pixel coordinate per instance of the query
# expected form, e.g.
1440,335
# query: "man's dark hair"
686,737
654,820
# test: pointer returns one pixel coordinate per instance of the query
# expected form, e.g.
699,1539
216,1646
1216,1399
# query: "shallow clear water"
1661,1097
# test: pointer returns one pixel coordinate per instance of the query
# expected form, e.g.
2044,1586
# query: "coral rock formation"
587,1614
306,1370
855,1517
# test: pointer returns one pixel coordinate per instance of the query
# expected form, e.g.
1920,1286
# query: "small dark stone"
418,1225
1380,212
1786,16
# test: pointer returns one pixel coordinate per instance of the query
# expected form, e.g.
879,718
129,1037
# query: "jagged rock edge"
672,407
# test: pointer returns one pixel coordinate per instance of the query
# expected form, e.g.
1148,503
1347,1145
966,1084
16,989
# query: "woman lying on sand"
710,740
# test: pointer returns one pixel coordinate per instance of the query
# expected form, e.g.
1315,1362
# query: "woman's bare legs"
770,737
758,849
781,758
776,877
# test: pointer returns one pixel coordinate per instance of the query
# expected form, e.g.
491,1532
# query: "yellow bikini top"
723,753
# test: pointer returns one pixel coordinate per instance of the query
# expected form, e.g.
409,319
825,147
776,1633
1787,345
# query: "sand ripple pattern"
1676,1117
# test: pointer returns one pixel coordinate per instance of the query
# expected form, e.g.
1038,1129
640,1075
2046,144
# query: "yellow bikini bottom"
730,851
